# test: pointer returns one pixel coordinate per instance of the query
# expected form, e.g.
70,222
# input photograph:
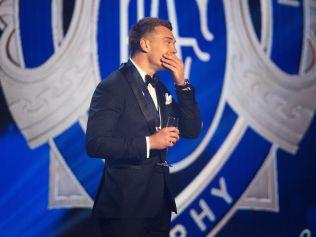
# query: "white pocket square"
168,99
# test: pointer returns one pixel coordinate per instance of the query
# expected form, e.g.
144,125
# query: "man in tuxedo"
127,127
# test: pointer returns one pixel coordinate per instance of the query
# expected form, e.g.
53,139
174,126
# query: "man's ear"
144,45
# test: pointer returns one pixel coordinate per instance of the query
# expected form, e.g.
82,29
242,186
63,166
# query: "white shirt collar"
141,72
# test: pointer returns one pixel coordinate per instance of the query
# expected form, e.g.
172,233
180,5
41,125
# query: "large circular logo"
255,87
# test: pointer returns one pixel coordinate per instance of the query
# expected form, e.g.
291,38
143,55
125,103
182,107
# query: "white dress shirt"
153,95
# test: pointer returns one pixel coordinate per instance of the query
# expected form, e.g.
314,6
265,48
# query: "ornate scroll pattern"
46,100
277,105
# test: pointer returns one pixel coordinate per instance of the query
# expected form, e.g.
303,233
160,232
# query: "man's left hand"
175,65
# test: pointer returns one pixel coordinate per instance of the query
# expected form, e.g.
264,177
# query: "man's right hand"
164,138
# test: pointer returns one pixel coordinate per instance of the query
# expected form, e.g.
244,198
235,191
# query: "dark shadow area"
5,116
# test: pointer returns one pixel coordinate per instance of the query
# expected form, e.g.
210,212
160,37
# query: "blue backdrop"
250,173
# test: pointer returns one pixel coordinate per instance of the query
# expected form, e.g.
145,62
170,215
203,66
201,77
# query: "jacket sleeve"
190,123
102,141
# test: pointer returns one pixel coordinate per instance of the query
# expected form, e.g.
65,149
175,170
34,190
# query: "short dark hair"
143,26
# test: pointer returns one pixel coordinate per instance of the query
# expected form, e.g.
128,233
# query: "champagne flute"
172,122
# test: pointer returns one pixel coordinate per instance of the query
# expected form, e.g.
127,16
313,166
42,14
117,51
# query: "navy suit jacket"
119,120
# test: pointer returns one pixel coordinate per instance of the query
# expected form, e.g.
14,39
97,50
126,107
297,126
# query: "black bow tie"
151,80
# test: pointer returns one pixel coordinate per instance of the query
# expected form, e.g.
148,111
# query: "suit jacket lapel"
161,103
163,113
132,76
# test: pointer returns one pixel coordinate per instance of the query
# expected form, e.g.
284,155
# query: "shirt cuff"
147,146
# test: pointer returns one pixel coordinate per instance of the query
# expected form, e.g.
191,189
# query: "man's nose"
174,50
